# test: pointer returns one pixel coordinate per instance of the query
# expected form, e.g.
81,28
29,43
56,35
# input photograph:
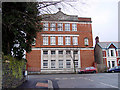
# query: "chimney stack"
97,39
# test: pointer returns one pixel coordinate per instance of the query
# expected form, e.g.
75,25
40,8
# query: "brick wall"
87,58
34,60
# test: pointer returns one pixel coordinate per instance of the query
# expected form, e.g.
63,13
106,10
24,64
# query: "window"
67,40
52,40
52,27
68,52
45,52
60,52
67,27
75,52
86,42
60,27
45,40
45,26
113,63
119,53
112,53
52,63
45,63
68,63
52,52
34,42
74,27
75,40
109,64
76,63
60,40
60,63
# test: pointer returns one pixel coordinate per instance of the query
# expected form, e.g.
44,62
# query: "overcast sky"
104,14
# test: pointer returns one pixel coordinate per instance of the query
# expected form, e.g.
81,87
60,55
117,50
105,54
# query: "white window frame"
60,26
45,26
60,40
75,40
45,51
114,52
68,61
52,40
45,61
45,40
53,63
67,40
76,63
74,27
86,41
52,26
67,27
60,63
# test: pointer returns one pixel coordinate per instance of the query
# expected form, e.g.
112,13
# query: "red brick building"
62,37
107,53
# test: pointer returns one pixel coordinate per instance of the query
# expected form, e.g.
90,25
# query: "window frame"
75,40
86,41
59,64
53,62
67,26
67,40
60,27
52,40
45,40
45,26
74,27
68,63
60,40
44,66
52,26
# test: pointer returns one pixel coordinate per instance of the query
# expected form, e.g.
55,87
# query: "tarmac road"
99,80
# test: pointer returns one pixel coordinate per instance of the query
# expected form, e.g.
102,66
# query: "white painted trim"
64,48
36,48
59,35
65,22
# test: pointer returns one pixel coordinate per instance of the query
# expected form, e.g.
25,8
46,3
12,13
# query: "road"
99,80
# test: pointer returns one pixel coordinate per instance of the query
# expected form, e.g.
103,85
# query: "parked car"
88,70
114,69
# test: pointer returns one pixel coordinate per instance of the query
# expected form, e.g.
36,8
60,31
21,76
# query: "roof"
60,16
107,44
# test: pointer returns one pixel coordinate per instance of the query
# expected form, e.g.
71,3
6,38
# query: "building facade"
65,41
107,53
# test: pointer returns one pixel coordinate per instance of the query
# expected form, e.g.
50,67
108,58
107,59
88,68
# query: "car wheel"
82,72
113,71
94,71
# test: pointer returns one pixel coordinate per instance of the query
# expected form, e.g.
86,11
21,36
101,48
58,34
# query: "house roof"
60,16
107,44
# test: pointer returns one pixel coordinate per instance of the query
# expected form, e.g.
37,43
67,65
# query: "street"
99,80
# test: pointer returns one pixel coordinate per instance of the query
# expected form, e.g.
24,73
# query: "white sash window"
45,40
67,27
52,40
60,27
67,40
75,40
74,27
52,27
45,26
60,40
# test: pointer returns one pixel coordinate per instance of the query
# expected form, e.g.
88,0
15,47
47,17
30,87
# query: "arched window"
86,43
34,42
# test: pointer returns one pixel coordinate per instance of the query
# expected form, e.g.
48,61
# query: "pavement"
44,84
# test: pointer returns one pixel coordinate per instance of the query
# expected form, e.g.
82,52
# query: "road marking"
57,78
72,78
108,85
64,78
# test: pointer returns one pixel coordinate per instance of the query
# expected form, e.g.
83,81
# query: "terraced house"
107,53
62,38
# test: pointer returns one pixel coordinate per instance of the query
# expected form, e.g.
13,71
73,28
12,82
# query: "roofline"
111,44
